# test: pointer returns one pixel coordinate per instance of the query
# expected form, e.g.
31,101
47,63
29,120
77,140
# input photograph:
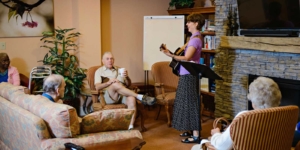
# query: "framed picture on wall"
26,18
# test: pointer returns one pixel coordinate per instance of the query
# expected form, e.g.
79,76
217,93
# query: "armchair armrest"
95,96
158,84
161,86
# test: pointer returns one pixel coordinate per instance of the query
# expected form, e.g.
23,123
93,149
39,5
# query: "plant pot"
184,6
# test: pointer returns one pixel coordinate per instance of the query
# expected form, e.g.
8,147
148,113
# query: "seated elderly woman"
263,93
8,73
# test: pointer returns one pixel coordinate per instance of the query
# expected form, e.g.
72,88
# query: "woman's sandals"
192,139
186,134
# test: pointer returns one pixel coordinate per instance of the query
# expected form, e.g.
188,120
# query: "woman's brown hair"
196,17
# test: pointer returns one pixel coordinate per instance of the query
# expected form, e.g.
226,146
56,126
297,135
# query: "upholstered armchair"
98,101
165,87
96,94
271,128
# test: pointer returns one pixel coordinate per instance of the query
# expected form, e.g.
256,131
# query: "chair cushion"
169,98
106,120
115,106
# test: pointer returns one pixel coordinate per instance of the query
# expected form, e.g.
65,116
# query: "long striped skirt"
185,112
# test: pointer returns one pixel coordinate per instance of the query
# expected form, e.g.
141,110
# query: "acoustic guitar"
174,64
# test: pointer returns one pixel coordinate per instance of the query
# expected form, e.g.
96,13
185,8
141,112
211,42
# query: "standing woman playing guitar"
185,110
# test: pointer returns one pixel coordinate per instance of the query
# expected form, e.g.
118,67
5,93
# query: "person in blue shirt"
54,88
296,138
8,73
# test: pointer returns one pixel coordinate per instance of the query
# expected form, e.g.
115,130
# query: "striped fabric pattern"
265,129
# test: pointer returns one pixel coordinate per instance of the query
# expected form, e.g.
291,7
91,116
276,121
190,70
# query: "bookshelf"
207,12
187,11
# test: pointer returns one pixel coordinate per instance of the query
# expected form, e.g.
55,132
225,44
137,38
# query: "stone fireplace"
234,65
237,57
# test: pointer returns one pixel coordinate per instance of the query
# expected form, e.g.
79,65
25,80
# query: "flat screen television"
269,17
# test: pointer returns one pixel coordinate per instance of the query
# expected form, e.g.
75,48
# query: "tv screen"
269,14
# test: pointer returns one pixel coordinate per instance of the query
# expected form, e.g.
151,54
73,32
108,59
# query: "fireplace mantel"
273,44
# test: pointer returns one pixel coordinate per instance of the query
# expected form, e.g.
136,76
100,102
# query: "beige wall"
24,52
122,31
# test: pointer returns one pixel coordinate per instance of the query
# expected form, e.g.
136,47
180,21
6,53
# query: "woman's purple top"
197,43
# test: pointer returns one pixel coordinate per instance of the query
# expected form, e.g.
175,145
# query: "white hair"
52,83
264,93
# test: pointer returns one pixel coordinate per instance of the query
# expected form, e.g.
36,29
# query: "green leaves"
181,2
58,44
11,13
16,10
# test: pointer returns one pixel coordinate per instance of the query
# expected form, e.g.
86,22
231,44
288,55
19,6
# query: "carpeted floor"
160,137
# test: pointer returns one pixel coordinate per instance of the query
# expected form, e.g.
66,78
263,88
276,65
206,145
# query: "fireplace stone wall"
234,65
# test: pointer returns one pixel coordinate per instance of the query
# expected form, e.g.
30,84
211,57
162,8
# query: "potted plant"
60,43
182,3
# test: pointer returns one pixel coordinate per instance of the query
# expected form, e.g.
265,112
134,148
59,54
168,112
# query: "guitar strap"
184,46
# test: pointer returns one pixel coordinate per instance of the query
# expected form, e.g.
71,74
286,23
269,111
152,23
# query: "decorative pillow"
106,120
7,89
62,120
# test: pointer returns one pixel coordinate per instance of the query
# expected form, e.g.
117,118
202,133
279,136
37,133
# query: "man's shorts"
109,100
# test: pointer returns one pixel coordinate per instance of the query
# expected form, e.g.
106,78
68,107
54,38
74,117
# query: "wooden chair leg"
143,129
140,113
168,115
158,112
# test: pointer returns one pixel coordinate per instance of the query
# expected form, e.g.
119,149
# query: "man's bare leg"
131,104
117,88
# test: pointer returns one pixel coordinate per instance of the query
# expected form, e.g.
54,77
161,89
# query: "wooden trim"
208,51
212,33
202,10
207,93
272,44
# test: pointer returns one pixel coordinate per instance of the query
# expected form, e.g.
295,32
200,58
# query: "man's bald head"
108,60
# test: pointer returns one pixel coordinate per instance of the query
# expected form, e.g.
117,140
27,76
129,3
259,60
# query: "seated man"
54,88
8,73
114,86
